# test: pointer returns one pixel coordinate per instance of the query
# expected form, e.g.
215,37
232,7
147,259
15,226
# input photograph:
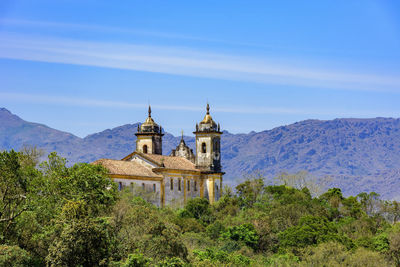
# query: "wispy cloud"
109,29
184,61
96,103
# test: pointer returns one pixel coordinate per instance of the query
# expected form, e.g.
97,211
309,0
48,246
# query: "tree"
30,155
303,179
245,233
13,190
136,260
392,211
14,256
325,254
366,258
249,191
336,255
90,183
171,262
333,198
52,191
370,203
141,227
311,230
83,242
394,249
198,208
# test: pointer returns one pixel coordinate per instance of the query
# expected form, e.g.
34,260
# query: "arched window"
171,185
120,186
179,184
143,186
145,149
195,185
188,185
203,148
154,187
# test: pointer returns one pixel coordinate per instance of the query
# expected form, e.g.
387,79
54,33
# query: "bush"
136,260
198,208
215,230
171,262
245,233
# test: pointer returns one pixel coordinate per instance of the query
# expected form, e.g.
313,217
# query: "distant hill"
360,154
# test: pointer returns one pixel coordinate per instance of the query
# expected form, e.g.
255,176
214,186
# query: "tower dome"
149,126
207,124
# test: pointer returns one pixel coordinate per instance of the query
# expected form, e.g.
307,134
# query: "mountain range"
359,154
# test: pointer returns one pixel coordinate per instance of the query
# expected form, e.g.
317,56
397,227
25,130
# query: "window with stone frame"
203,148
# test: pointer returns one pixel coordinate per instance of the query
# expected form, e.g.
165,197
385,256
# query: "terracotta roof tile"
126,168
177,163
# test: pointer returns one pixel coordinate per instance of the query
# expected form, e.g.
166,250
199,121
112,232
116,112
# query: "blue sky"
85,66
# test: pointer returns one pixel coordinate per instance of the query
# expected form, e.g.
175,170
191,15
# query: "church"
175,178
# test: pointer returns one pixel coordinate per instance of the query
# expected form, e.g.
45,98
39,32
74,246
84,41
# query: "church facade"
175,178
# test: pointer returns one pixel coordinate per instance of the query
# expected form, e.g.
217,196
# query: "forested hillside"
54,215
359,154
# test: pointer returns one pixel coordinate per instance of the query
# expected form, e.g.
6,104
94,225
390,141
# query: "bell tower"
149,137
208,144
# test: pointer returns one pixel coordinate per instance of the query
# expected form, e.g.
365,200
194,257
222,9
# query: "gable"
143,161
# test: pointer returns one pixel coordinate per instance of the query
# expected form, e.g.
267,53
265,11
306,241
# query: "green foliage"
221,257
171,262
189,224
136,260
140,226
56,215
311,230
369,202
85,242
14,256
381,242
215,230
249,191
14,188
282,260
335,254
394,244
90,183
245,233
198,208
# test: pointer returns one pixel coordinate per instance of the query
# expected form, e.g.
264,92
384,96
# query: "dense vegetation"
58,216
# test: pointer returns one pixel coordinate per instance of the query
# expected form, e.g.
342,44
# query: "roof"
170,162
135,168
131,168
176,163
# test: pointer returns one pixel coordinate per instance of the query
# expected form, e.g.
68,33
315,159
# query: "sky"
86,66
